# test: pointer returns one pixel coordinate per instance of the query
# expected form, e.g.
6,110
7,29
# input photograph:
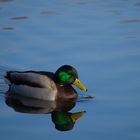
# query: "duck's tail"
7,77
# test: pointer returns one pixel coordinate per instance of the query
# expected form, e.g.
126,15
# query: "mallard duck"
45,85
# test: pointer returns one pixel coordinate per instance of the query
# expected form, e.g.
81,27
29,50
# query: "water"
100,38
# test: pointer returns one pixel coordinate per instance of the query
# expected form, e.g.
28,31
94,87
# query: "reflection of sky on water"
58,30
100,38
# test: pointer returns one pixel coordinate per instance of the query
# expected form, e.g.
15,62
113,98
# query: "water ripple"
19,18
6,0
49,13
8,28
137,4
130,21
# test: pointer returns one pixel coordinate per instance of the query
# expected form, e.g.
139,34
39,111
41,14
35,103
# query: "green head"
68,75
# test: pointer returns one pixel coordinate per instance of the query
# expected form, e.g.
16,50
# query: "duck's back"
31,78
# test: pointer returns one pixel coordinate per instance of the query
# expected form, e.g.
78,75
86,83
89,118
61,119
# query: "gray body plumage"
31,84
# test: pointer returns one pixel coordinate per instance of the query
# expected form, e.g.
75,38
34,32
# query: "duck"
44,85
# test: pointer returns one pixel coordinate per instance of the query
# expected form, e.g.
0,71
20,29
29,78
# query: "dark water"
101,38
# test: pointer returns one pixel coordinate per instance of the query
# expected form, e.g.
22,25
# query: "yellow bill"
79,85
77,115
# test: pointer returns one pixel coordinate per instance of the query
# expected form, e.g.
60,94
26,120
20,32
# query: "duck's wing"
38,85
30,78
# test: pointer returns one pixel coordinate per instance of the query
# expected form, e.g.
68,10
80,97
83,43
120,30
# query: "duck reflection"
60,115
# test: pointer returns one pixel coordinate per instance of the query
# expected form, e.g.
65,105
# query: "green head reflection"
65,121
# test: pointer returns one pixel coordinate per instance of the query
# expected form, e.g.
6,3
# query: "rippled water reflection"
61,116
101,38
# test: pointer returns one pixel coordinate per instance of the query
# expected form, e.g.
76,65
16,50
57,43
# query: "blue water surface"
100,38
